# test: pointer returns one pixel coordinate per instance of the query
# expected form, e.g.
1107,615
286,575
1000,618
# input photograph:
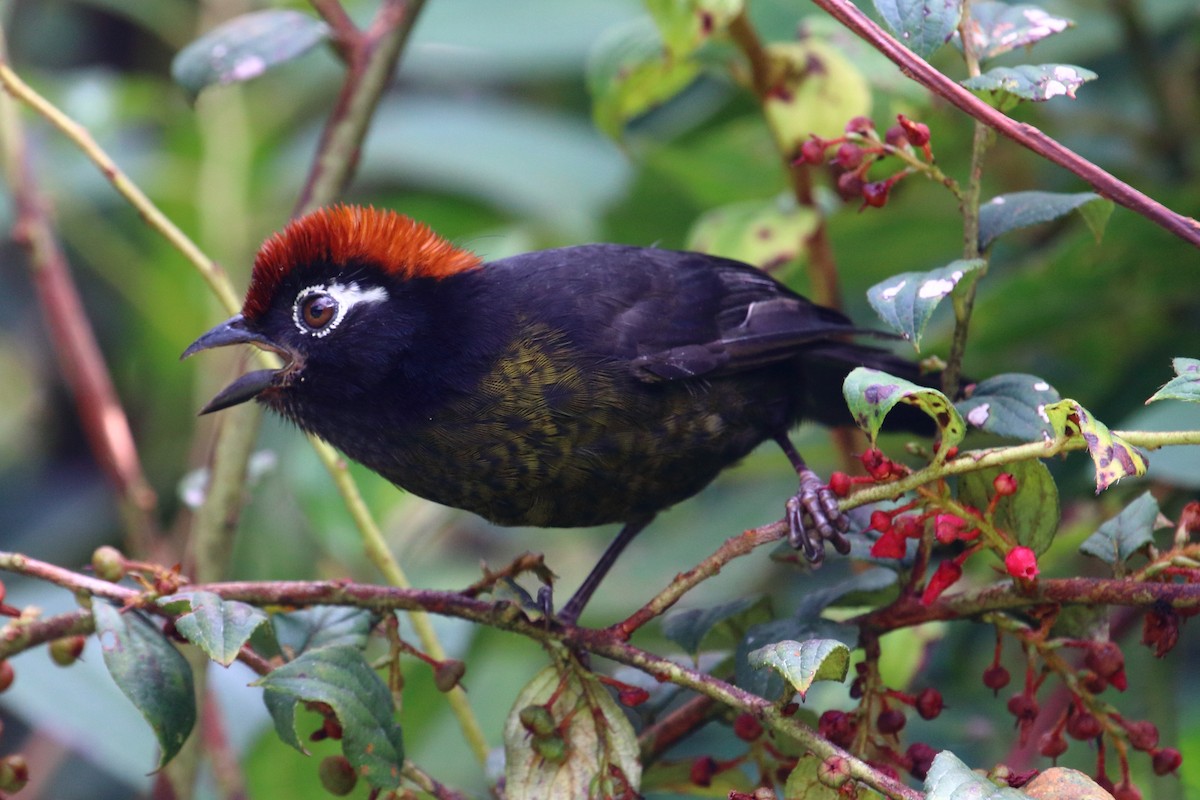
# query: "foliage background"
487,135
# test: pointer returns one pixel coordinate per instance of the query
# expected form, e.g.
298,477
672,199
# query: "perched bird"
561,388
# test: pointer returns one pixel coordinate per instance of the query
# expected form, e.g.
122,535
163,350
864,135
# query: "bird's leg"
813,514
574,607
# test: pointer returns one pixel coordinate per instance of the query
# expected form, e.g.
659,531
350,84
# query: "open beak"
250,385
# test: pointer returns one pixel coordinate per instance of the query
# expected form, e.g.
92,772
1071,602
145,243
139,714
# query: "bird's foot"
813,518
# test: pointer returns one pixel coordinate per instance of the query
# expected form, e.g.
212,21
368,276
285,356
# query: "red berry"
1126,791
632,696
860,125
948,528
448,673
917,133
1021,563
880,521
1052,744
996,677
747,727
834,772
1189,518
66,651
849,185
891,720
337,775
6,675
1105,658
837,726
909,526
895,136
849,156
1166,760
1083,726
946,575
1023,707
875,194
921,755
890,545
812,152
929,703
1005,484
14,773
839,484
1143,735
1160,630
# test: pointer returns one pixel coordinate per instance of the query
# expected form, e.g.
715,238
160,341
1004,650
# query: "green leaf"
907,301
1031,515
804,663
818,91
766,234
218,627
921,25
1184,386
951,779
689,628
151,673
599,752
871,394
685,25
322,626
629,73
804,781
340,677
1036,82
799,627
1113,456
1010,405
246,47
998,27
1008,212
1126,533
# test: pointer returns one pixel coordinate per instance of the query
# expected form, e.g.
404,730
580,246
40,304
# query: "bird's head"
336,295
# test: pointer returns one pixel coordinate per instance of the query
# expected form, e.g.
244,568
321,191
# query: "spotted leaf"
871,394
1036,82
906,302
999,27
1114,457
1010,405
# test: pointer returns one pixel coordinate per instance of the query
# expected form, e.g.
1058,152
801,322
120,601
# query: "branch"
1023,134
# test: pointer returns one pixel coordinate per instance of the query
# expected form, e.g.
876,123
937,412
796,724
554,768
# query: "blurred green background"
487,135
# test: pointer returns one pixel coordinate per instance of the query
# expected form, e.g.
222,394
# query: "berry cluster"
854,153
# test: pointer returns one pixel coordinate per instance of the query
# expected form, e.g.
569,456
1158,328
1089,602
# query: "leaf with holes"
999,27
766,233
921,25
218,627
586,749
150,672
871,394
340,677
804,663
907,301
1113,456
1184,386
951,779
629,73
1031,515
1008,212
1036,82
1126,533
246,47
1012,405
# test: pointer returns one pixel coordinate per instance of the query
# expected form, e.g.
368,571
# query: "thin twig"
1023,134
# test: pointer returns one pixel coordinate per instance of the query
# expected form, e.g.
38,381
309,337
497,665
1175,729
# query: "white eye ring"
343,297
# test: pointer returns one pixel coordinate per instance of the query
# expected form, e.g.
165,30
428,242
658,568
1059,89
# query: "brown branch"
676,726
1023,134
371,58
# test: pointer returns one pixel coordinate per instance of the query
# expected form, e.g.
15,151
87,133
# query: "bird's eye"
318,310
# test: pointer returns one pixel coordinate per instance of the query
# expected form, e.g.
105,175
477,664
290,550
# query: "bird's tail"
830,362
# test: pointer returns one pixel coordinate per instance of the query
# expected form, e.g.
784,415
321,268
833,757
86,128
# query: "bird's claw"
814,518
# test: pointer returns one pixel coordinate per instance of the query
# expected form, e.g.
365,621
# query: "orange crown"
340,235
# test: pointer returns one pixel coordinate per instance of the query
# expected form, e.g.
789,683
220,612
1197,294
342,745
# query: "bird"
570,387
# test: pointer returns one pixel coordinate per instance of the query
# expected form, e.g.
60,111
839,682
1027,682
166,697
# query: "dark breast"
553,437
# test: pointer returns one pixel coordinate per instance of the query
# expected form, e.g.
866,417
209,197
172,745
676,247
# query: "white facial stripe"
347,297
